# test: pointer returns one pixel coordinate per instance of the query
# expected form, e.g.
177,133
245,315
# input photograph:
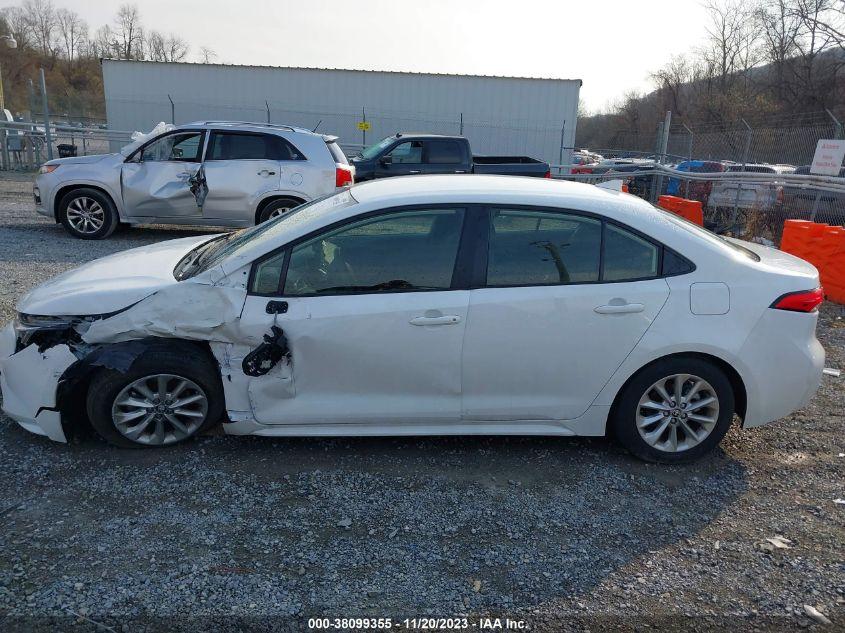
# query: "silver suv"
217,173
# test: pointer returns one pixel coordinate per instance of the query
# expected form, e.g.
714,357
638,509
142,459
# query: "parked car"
799,202
217,173
695,189
429,305
637,185
408,154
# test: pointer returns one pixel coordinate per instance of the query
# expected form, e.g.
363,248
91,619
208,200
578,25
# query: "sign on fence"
364,126
828,158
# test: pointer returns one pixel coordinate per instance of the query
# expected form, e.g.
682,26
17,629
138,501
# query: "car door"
239,168
156,181
374,320
405,159
556,316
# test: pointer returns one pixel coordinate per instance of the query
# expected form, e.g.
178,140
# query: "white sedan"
421,306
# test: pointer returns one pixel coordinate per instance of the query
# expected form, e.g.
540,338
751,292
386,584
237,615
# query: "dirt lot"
563,534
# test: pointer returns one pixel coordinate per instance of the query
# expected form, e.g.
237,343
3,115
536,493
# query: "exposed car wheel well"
61,193
738,387
266,201
73,386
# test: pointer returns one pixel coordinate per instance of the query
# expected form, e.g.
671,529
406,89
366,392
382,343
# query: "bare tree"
73,32
817,63
208,55
19,25
166,48
41,15
732,39
780,28
673,81
128,32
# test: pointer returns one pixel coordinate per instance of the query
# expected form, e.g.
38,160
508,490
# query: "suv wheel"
88,214
674,411
275,208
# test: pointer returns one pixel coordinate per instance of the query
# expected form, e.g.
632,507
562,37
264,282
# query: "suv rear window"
337,153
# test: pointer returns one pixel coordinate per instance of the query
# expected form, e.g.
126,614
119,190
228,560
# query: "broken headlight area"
47,331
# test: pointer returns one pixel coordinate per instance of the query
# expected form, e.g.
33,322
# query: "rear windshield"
708,235
337,153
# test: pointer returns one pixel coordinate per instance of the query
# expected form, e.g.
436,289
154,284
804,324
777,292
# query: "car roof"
247,126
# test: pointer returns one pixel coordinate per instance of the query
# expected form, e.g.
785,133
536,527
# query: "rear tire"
171,393
649,421
88,214
275,208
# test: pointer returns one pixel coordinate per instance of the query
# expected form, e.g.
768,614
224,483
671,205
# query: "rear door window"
239,146
628,256
442,152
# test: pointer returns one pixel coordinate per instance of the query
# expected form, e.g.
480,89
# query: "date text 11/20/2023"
418,624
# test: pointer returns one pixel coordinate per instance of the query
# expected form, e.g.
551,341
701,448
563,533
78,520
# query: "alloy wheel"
85,215
677,412
159,409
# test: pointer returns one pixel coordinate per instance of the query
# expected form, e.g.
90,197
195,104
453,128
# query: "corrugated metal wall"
500,115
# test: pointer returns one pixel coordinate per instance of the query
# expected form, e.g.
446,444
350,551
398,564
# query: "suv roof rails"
279,126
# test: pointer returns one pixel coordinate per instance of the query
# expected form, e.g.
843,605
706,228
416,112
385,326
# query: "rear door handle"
622,308
414,171
449,319
266,172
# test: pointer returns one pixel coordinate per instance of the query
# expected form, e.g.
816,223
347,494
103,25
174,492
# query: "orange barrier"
689,209
824,247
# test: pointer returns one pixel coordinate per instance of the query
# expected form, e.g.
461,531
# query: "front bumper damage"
29,381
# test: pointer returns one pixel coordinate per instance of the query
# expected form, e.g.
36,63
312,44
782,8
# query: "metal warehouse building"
500,115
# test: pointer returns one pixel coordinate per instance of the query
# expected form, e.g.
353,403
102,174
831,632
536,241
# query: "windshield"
374,150
216,250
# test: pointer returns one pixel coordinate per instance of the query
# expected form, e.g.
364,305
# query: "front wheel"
674,411
168,396
88,214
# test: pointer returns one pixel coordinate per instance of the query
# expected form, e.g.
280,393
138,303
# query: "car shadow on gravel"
345,526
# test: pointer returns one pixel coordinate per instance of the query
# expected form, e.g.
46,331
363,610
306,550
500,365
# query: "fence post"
838,133
560,154
462,124
47,135
745,154
172,110
663,140
267,105
689,156
363,131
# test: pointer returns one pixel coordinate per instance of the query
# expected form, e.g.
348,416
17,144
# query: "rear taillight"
801,301
343,176
548,174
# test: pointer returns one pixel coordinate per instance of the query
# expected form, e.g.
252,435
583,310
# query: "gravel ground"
563,534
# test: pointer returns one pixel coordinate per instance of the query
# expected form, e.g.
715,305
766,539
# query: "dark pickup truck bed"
409,154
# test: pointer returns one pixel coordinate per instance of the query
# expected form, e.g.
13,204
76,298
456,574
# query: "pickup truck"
406,154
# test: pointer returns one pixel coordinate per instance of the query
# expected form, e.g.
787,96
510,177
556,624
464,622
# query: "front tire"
170,394
674,411
88,214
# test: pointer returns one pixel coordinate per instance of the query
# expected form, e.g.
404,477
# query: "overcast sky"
611,45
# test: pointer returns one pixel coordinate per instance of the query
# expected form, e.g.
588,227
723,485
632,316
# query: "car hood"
111,283
80,160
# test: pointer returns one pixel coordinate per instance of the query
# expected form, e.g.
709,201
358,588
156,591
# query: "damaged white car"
426,305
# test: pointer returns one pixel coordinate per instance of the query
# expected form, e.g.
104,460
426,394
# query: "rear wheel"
276,208
88,214
168,396
674,410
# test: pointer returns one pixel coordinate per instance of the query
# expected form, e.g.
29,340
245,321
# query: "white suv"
217,173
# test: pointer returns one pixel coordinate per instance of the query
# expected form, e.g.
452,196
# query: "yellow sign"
364,126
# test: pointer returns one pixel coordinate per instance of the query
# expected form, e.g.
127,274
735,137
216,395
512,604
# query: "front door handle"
414,171
266,172
449,319
621,308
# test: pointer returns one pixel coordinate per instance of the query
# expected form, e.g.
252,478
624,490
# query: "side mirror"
384,161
